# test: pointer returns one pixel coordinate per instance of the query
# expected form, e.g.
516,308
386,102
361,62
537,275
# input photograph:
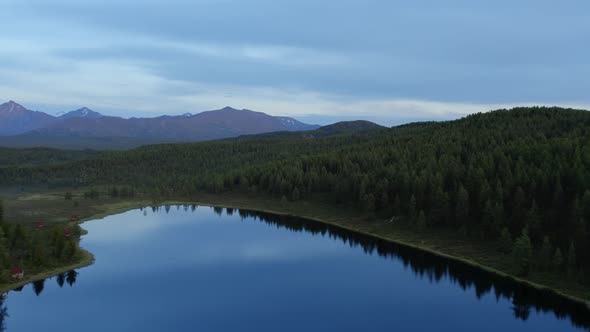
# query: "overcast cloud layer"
389,61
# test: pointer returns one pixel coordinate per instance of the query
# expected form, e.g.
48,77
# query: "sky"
316,60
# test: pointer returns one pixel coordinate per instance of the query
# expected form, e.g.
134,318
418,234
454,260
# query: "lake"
189,268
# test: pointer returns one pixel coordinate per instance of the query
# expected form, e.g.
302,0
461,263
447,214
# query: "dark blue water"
214,270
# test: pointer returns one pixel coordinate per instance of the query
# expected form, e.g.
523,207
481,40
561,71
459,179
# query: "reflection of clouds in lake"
144,241
135,224
279,250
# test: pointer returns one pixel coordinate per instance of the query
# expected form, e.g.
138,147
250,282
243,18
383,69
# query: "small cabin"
67,233
17,273
73,217
39,225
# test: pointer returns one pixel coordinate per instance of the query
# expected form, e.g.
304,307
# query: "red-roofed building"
17,273
67,233
40,224
74,217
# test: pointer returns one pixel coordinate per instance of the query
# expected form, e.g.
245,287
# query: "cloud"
376,59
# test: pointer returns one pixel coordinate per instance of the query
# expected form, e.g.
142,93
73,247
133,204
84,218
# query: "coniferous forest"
520,177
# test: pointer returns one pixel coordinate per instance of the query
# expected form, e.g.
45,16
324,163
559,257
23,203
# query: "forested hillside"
520,176
35,156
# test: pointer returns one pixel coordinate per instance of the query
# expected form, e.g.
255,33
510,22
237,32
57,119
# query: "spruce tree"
462,206
545,255
295,194
505,241
557,259
3,250
421,222
412,209
571,259
522,252
533,223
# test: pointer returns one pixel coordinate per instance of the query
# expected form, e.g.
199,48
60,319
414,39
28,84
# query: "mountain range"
84,128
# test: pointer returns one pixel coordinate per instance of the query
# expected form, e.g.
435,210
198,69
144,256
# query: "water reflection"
71,277
38,286
435,268
424,265
61,278
3,313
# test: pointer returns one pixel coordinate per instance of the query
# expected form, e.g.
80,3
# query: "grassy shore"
51,207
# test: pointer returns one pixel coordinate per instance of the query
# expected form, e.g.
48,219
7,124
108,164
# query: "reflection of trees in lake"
521,311
61,278
3,313
436,268
71,277
218,211
38,286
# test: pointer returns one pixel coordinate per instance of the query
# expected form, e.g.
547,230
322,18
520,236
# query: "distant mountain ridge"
15,119
85,128
83,112
338,128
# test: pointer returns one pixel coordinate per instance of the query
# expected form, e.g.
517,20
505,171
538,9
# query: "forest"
520,177
35,156
35,248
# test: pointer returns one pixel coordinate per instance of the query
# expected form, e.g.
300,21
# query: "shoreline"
416,247
88,258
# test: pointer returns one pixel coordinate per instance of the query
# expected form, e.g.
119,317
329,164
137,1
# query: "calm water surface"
184,268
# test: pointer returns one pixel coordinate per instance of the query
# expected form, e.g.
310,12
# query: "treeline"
519,177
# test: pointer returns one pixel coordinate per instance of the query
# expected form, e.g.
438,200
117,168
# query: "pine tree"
421,222
522,252
488,219
533,223
571,259
69,251
518,209
498,217
545,254
505,241
462,207
368,203
586,204
397,205
3,250
557,260
384,200
295,194
38,254
412,209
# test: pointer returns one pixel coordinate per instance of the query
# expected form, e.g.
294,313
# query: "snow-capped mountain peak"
83,112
